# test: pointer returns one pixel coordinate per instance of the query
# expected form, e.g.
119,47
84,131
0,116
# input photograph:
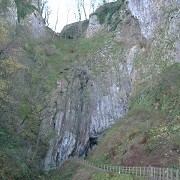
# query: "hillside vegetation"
30,69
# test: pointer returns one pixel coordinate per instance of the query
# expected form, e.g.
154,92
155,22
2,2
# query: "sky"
67,12
63,12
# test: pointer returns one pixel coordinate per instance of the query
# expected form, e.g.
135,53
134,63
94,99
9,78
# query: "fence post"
144,171
149,171
140,172
167,173
171,173
177,174
160,173
119,169
136,170
163,173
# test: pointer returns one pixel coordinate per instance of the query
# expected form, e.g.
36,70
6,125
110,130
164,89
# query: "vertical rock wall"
8,19
92,97
149,13
95,94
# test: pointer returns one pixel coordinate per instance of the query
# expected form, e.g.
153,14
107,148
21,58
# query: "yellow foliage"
3,35
160,131
11,65
39,107
3,85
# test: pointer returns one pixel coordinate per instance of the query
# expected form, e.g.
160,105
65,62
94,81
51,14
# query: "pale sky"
67,12
62,15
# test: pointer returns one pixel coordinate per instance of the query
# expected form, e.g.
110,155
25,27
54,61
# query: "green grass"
86,47
163,96
108,176
65,172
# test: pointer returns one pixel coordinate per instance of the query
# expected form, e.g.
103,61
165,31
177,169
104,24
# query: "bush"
109,8
164,95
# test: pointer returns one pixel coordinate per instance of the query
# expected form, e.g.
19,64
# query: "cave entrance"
93,140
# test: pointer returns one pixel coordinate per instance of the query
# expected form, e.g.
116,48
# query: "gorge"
61,97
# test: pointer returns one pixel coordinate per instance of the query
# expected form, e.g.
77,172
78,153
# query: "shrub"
108,8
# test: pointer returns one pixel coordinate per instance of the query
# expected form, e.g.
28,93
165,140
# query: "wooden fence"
153,173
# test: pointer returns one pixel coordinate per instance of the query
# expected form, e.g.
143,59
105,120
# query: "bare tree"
47,13
82,3
57,18
92,5
44,10
78,4
41,5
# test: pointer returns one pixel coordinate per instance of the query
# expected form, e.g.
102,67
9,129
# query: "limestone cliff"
125,47
95,92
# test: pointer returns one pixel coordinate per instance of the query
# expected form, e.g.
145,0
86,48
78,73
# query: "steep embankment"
29,69
121,57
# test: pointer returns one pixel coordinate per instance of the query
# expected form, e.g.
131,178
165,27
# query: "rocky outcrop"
91,102
93,27
8,11
74,30
150,13
91,98
95,93
8,19
34,23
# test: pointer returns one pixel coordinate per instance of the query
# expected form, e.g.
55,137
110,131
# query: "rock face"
93,26
35,25
88,103
8,11
92,97
8,19
95,92
32,22
74,30
150,13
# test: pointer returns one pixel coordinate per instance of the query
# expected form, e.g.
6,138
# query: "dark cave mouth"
93,141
